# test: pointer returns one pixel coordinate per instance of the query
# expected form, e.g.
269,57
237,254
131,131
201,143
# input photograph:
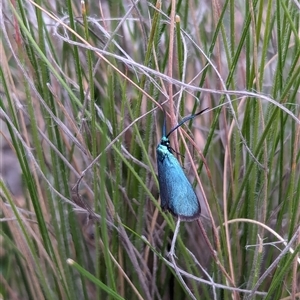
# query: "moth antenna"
164,125
183,121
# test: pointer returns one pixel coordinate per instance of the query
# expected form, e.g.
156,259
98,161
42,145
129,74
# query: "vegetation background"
82,87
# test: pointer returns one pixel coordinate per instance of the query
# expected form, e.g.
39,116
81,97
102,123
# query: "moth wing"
177,194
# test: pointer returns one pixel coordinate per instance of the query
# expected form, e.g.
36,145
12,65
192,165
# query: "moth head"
166,142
